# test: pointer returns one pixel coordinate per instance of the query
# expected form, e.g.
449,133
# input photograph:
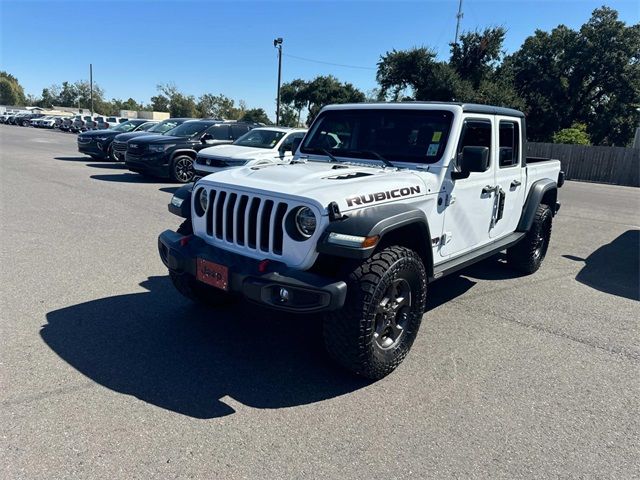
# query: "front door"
509,178
469,204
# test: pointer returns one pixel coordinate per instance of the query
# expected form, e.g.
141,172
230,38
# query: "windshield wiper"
330,155
375,154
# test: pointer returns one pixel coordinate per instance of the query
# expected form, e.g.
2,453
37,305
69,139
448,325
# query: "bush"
576,135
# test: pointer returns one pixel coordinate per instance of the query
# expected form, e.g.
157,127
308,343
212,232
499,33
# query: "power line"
328,63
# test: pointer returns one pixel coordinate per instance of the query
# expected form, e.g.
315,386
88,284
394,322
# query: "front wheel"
386,297
182,169
528,254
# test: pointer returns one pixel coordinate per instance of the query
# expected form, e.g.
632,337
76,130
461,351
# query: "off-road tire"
185,228
528,254
352,335
178,173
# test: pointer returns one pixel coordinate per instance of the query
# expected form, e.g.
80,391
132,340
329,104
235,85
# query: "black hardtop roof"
466,107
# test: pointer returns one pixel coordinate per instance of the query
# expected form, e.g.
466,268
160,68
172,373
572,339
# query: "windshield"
163,126
125,127
188,129
147,127
417,136
260,139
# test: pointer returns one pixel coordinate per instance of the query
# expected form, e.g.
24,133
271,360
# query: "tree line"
576,86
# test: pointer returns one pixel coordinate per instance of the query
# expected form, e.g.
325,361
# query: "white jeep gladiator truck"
378,201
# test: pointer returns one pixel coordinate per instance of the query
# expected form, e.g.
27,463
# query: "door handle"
516,183
488,189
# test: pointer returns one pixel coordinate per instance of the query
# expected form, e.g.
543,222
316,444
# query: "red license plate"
212,274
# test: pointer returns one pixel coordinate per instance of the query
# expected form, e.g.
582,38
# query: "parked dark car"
97,143
119,145
25,120
172,155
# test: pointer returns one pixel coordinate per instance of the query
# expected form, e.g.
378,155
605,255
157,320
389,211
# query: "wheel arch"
185,151
395,224
542,191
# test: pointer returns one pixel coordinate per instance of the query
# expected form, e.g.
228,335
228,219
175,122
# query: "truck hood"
123,137
236,152
350,186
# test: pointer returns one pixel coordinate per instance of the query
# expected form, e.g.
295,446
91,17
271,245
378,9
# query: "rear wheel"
528,254
386,297
182,169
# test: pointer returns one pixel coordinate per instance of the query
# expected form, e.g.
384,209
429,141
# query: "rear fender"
542,191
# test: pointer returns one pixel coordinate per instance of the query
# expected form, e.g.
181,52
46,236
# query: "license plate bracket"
212,273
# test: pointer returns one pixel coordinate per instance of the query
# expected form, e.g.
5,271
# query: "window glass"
509,143
126,126
418,136
147,126
238,130
259,138
219,132
288,142
189,129
163,127
476,133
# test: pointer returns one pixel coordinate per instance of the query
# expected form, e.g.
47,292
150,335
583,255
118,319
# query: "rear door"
509,180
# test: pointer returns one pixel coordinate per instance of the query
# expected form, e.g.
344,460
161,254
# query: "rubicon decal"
380,196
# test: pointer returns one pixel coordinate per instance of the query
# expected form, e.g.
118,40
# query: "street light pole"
91,84
278,44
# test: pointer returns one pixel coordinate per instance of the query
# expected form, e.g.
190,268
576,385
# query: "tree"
576,135
183,106
159,103
590,76
313,95
220,107
477,55
257,115
11,92
289,116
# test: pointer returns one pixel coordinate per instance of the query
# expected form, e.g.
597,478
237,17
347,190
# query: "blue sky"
226,46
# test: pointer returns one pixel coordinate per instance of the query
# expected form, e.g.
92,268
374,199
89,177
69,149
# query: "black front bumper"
307,292
156,164
91,149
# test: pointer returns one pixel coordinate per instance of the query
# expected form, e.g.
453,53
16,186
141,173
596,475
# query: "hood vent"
349,176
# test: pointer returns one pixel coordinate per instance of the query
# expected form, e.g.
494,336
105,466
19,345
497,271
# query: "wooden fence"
616,165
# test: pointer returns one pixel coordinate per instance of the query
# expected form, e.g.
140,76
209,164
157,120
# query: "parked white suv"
260,146
378,201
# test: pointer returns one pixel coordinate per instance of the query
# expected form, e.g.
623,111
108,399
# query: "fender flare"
380,220
182,151
539,190
180,203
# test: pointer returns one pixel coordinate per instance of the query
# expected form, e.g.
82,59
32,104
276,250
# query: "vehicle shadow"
168,352
76,159
108,165
128,178
614,268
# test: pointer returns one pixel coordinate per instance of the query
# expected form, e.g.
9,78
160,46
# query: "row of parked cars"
185,148
68,123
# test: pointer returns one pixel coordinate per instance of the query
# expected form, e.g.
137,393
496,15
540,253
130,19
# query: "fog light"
284,295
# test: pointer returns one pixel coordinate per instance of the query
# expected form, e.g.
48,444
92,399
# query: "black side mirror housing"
472,159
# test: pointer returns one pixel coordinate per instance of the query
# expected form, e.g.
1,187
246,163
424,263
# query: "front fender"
180,203
382,221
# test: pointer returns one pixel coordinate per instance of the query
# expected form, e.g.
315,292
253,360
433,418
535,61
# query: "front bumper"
156,164
307,292
91,148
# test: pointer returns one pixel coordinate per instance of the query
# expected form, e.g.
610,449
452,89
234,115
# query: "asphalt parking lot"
106,372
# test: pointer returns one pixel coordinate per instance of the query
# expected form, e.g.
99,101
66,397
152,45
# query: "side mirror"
472,159
295,145
206,138
285,148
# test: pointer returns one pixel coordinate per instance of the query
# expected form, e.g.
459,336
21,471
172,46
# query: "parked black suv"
172,155
119,145
97,143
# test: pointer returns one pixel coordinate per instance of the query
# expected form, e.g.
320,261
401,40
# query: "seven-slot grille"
246,221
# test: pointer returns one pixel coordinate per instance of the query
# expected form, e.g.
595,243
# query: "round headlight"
203,198
305,221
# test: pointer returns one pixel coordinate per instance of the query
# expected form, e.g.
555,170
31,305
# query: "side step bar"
458,263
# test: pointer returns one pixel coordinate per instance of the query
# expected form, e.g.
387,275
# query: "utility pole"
278,44
91,83
459,16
